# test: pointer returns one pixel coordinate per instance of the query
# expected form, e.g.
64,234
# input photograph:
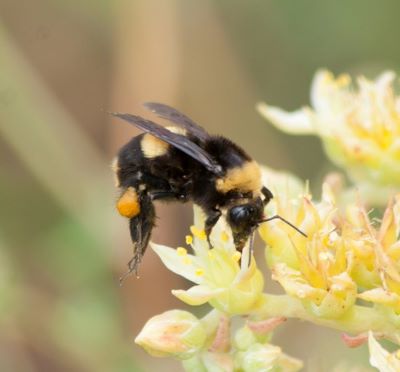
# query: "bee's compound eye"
239,215
244,215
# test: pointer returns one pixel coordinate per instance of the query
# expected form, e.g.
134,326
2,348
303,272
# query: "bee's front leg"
213,216
268,195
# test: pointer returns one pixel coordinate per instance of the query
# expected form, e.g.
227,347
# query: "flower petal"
197,295
295,285
380,296
341,296
329,95
381,358
281,182
296,122
177,264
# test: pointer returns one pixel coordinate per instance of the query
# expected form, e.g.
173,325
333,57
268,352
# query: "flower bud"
267,358
175,333
244,338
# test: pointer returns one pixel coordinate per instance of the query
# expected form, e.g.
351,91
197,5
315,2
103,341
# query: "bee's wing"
173,115
177,140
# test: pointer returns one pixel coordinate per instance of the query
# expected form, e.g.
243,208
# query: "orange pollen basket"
128,204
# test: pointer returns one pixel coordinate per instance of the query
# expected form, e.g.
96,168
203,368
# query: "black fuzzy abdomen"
170,171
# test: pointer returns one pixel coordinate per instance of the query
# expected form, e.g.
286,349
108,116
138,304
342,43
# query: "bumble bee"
185,163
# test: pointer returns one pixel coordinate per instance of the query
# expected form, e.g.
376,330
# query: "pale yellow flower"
317,268
175,333
223,278
386,261
345,255
359,128
381,358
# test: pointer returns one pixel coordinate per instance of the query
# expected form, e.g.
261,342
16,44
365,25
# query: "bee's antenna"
286,221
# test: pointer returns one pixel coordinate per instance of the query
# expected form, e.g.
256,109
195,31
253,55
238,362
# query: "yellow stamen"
224,237
198,233
343,80
181,251
187,260
199,272
236,256
189,239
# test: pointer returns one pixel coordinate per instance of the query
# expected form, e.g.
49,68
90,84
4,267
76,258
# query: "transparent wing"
174,116
177,140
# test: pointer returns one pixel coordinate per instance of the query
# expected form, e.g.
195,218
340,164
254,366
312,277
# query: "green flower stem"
358,319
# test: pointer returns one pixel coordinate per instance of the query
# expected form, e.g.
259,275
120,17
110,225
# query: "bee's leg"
174,195
140,227
251,248
213,216
268,195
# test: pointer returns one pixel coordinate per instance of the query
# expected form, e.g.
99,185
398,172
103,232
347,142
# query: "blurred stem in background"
49,142
46,318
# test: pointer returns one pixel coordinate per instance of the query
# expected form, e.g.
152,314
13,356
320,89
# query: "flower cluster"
359,129
344,274
232,286
222,277
344,258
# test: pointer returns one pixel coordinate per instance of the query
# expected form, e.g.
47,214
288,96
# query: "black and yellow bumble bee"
185,163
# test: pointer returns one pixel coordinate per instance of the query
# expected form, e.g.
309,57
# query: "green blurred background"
63,65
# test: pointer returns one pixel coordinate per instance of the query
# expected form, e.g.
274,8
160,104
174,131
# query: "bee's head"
242,218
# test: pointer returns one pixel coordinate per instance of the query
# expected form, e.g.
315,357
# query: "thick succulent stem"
358,319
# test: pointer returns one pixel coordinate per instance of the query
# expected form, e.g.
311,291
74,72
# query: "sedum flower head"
346,256
360,128
316,268
222,277
175,333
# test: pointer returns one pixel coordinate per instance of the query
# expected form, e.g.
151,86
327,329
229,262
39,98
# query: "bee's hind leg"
168,195
140,227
